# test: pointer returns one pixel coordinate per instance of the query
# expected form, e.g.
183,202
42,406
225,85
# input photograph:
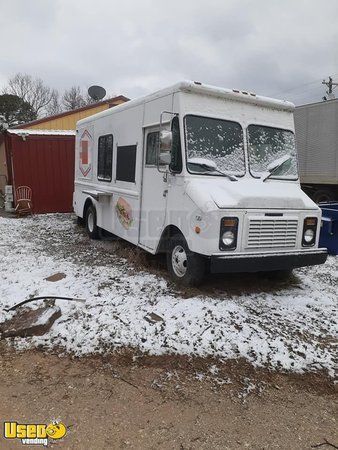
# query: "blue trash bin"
329,229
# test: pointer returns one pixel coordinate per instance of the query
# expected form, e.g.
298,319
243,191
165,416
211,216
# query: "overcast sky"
281,48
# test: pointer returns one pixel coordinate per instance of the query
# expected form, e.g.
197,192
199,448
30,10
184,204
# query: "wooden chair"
24,205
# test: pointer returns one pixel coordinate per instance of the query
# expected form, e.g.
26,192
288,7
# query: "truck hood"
247,194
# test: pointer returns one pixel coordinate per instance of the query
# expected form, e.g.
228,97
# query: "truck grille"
272,233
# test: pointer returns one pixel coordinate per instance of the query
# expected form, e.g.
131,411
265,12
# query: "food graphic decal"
124,213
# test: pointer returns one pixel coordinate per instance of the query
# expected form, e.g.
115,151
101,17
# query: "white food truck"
204,174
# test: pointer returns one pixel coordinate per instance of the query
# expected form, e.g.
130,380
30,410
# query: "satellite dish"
96,93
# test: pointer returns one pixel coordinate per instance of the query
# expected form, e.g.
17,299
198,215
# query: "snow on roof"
25,132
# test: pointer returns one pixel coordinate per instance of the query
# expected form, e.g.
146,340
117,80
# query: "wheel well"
88,202
168,232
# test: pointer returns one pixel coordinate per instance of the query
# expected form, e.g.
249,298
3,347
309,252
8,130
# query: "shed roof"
110,102
25,132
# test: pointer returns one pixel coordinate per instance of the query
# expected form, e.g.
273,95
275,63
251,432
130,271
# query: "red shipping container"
45,162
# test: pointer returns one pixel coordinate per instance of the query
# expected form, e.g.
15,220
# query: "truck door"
154,193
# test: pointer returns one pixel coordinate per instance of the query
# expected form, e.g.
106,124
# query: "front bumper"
262,262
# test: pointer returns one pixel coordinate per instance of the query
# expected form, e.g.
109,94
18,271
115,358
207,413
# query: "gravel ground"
119,402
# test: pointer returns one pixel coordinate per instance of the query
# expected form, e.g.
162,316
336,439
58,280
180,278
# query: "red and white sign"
85,160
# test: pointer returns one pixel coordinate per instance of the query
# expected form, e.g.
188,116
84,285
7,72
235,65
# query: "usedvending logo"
34,433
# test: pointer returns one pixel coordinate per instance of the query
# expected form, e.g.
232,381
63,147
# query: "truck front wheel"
185,267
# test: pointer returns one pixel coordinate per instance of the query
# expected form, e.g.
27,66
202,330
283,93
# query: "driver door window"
152,147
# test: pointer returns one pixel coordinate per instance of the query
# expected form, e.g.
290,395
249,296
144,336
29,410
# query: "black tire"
91,223
192,265
323,196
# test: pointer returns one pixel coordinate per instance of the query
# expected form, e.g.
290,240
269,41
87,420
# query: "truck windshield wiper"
214,169
231,177
275,165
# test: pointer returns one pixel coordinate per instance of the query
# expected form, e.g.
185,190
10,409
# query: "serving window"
126,163
105,158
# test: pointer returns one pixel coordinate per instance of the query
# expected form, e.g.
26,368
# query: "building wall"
46,165
68,122
3,167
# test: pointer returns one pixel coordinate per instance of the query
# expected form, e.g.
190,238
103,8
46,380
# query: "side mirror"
165,158
165,148
166,139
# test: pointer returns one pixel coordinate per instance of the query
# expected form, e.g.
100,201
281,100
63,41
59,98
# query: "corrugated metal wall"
46,164
3,166
316,128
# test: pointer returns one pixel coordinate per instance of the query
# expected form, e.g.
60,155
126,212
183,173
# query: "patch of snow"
292,327
46,315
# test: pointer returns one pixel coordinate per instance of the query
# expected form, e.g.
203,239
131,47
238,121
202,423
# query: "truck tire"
91,224
185,267
323,196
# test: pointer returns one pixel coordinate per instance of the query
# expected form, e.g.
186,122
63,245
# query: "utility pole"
330,84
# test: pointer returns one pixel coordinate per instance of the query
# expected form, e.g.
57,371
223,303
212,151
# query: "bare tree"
89,100
54,107
31,90
73,98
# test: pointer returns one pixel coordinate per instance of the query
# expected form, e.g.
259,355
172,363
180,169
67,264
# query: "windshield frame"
211,174
272,177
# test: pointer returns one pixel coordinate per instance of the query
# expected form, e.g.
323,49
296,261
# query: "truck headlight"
228,233
309,231
228,238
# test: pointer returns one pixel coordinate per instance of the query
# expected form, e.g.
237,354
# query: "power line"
300,86
296,87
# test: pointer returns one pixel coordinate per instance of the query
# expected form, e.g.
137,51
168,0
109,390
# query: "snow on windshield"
217,140
266,146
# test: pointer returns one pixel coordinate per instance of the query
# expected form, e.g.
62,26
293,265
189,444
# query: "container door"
154,193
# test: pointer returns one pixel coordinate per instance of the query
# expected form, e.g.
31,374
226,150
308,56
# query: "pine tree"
14,111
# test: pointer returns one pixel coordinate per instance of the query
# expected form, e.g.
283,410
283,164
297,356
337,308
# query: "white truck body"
145,202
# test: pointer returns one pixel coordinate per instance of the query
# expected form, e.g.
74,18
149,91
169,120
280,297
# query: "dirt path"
165,403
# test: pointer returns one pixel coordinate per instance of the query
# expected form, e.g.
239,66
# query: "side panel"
118,211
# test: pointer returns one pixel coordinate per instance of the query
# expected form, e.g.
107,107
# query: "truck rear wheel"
91,224
185,267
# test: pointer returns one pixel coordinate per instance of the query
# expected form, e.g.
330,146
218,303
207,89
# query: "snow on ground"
281,325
